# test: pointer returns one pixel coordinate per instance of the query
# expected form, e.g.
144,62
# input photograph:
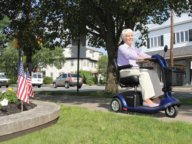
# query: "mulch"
13,108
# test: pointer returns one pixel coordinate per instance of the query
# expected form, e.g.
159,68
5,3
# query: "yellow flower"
10,89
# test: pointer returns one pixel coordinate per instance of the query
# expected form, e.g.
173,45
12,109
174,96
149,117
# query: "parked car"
67,80
4,81
37,79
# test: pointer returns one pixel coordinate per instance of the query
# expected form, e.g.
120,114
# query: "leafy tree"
42,58
103,22
102,65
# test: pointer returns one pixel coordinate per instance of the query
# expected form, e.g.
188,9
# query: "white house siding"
165,31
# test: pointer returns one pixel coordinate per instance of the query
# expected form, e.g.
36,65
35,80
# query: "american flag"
22,85
30,87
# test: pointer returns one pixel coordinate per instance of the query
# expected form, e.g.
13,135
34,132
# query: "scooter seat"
130,80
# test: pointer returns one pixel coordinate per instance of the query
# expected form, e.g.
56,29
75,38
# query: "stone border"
44,115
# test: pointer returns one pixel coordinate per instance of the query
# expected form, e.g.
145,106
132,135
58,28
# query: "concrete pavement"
103,104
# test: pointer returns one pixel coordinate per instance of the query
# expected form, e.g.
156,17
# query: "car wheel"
39,86
80,86
172,111
66,85
116,105
0,86
7,86
54,85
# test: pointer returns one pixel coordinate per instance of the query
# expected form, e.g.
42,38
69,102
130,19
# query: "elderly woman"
148,79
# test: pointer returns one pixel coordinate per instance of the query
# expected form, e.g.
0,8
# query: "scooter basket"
174,76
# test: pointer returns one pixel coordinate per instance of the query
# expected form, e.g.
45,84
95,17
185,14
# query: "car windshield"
75,75
3,77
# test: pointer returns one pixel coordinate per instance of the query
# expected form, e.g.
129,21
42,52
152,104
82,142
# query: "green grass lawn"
78,125
100,94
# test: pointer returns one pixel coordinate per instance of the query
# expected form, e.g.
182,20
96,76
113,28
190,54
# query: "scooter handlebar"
152,59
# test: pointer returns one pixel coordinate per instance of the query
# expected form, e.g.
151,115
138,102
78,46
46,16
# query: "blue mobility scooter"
132,100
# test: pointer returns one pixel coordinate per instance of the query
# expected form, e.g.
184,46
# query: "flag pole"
21,100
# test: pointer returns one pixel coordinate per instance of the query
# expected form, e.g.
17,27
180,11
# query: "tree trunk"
112,83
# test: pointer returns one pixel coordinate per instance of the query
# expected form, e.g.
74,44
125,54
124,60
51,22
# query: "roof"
169,25
177,52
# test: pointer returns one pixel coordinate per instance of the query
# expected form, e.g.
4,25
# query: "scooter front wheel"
116,105
172,111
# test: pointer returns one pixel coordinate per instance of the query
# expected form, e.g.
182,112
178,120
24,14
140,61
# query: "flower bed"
10,104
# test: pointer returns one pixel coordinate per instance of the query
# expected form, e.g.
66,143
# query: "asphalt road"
178,93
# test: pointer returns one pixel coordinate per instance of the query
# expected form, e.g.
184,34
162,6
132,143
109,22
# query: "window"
95,64
64,75
62,64
88,63
186,36
92,54
51,65
183,36
92,64
52,75
72,63
155,41
151,42
178,37
159,41
84,62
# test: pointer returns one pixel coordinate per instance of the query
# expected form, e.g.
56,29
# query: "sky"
183,17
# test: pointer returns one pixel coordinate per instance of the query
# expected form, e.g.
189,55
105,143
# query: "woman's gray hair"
125,32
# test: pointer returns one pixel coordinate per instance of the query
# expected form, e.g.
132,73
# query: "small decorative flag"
22,85
30,87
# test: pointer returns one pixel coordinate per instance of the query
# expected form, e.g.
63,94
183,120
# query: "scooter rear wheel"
116,105
172,111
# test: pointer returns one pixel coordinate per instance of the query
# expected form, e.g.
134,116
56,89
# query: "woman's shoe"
150,105
156,102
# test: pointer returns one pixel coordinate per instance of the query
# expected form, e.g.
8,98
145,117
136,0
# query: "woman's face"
128,39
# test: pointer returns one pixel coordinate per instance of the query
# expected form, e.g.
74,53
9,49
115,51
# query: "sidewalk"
103,104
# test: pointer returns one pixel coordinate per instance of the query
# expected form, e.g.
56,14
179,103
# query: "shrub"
89,82
104,80
10,96
48,82
13,81
47,78
95,80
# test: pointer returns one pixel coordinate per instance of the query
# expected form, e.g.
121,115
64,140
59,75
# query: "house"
182,46
87,60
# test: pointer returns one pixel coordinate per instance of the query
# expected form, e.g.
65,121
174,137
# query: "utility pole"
78,53
172,36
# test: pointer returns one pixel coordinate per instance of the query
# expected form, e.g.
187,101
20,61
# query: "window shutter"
174,38
148,43
162,40
190,35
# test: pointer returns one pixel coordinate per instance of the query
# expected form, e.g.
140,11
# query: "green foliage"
10,96
47,79
89,82
85,75
95,80
104,80
48,82
13,81
102,65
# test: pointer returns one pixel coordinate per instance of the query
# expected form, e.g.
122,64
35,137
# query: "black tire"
80,86
66,84
116,105
172,111
0,86
39,86
54,85
7,86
